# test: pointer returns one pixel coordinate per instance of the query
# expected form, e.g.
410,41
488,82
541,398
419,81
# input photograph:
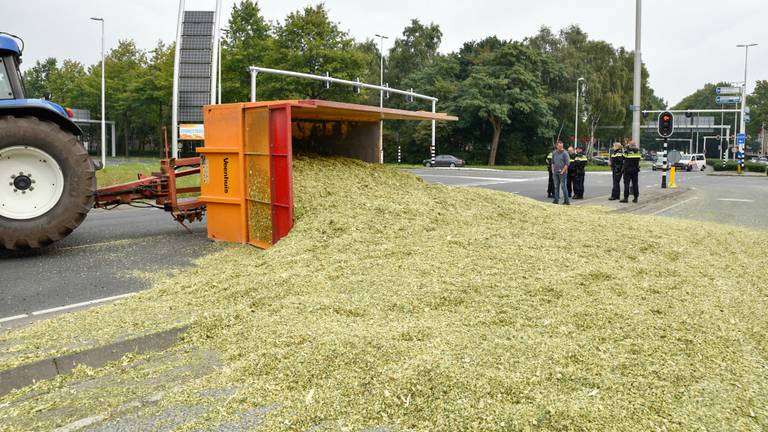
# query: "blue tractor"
47,179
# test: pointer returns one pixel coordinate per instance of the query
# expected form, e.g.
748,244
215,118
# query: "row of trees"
513,98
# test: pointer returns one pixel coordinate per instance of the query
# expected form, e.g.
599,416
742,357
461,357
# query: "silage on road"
423,307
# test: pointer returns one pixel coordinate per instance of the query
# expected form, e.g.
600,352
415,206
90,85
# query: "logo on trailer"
226,175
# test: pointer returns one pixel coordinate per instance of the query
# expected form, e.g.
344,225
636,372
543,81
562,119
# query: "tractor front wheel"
47,181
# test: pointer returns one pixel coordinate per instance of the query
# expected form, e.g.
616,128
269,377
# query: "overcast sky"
686,43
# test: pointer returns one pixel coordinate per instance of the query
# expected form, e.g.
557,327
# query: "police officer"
617,164
580,164
572,156
630,171
551,184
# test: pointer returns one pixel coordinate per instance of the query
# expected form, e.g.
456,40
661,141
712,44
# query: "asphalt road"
104,257
734,200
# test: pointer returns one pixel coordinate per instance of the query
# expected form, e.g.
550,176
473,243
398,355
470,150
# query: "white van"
690,162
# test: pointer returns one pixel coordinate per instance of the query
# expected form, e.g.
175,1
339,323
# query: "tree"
248,42
308,41
36,79
415,49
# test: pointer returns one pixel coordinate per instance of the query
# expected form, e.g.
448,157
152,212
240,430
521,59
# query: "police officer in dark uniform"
580,167
551,184
570,175
630,171
617,164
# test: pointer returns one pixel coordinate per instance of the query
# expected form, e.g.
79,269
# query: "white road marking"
13,318
735,200
494,179
67,307
673,206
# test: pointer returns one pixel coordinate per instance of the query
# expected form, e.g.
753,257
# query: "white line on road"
13,318
673,206
67,307
735,200
495,179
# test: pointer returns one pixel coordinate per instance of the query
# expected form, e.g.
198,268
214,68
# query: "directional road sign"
723,100
727,90
741,139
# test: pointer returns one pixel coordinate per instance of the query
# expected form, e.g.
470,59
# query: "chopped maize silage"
422,307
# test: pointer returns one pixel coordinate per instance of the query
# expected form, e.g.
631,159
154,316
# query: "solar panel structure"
195,65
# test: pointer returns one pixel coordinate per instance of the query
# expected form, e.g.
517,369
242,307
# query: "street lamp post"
636,96
744,89
103,102
381,95
576,123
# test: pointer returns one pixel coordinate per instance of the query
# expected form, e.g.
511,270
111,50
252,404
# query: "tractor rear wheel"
47,181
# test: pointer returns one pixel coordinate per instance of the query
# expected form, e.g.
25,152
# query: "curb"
28,374
750,174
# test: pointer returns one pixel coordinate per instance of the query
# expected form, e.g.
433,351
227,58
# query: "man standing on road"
617,163
631,169
579,168
560,161
571,172
550,184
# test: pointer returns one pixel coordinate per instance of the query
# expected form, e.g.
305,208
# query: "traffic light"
666,124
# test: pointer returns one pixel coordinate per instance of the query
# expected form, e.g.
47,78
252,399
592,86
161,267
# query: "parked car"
599,160
763,160
444,161
690,162
658,164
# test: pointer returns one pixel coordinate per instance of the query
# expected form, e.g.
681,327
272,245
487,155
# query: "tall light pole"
381,95
638,73
742,125
576,123
103,102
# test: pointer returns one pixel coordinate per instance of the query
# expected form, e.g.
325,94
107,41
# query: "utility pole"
638,74
381,94
744,89
576,121
103,102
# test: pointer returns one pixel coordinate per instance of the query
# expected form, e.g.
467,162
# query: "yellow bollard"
672,183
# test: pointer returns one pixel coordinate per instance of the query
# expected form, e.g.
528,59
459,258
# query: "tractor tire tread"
80,183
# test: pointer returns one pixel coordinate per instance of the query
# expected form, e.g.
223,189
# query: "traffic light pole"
666,165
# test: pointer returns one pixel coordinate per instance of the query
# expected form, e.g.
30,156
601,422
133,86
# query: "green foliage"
720,165
514,98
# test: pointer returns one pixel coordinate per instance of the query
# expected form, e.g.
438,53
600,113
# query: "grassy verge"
123,173
428,308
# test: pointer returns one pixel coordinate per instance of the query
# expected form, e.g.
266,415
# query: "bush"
720,165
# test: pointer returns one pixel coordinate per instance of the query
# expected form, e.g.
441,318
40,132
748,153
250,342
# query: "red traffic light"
666,124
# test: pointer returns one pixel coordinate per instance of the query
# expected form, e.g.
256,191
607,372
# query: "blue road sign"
727,90
723,100
741,139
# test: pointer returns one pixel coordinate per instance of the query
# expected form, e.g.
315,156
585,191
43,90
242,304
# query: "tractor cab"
10,78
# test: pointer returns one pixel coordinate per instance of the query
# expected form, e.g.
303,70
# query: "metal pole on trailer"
381,96
175,97
103,100
253,85
215,55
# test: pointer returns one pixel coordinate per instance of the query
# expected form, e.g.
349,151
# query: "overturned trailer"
246,176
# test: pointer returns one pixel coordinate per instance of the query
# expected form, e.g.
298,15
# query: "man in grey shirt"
560,161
